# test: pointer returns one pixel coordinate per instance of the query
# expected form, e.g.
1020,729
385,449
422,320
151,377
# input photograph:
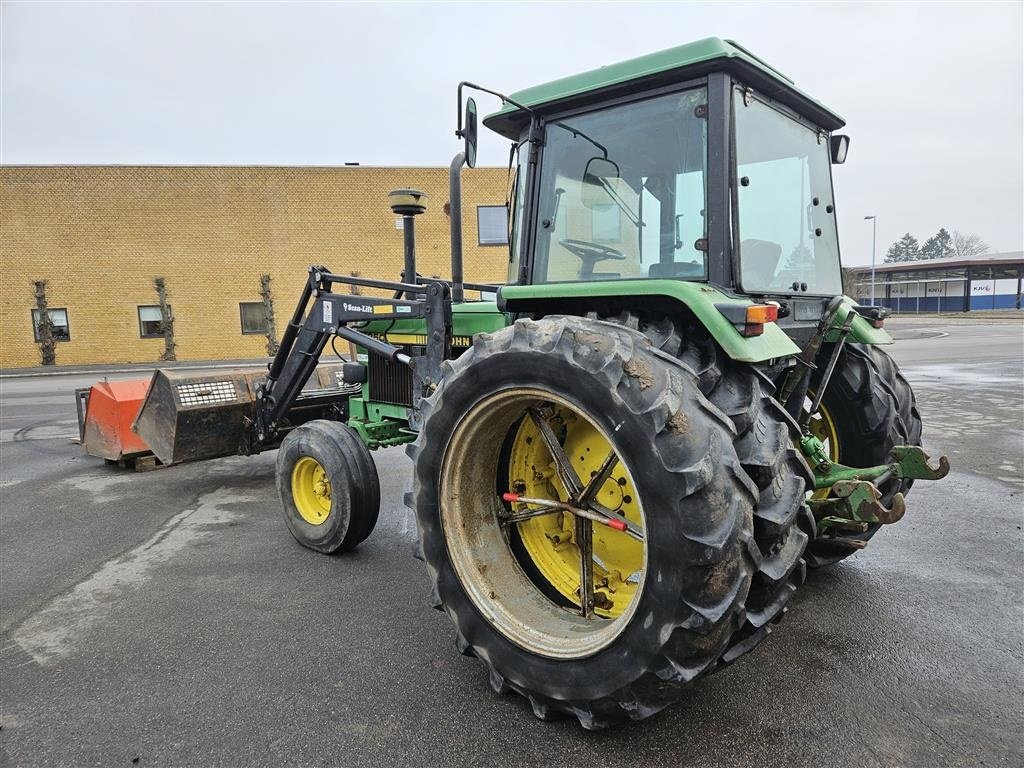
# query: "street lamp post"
874,231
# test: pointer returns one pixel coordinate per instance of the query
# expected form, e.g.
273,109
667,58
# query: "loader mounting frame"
320,315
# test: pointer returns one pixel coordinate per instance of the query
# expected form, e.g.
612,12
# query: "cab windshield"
622,193
787,221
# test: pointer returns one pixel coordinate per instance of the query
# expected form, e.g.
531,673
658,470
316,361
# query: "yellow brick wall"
100,235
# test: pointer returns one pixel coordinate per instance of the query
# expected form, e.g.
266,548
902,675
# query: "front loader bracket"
321,314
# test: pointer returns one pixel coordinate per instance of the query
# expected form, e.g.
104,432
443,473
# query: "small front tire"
328,486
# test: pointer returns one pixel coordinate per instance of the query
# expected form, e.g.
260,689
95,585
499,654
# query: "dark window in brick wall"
254,317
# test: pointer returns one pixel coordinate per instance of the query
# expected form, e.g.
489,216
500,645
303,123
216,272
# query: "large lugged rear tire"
328,486
764,443
678,455
870,408
766,433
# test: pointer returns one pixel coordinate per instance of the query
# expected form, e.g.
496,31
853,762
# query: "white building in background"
991,281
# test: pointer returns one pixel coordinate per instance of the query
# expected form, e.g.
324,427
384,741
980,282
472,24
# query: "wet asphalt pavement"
168,617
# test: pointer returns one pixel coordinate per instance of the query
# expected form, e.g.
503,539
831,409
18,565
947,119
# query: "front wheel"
596,620
328,486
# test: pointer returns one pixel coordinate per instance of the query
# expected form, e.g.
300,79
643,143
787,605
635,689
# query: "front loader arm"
321,314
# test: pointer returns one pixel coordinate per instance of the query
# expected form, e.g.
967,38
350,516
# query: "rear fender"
698,298
861,331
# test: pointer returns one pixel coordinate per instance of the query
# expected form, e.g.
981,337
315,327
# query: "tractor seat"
760,261
668,269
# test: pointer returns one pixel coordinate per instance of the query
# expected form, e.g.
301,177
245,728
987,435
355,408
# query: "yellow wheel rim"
548,539
494,547
823,427
311,490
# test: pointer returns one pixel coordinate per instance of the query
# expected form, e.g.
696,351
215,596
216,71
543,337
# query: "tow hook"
857,501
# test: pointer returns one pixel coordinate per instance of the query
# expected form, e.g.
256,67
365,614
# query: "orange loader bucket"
111,409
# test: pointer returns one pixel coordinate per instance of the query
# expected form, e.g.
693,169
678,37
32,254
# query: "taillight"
757,315
749,319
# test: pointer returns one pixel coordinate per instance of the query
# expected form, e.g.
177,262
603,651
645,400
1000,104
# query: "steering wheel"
590,253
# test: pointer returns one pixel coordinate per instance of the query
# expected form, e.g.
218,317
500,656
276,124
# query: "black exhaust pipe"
455,217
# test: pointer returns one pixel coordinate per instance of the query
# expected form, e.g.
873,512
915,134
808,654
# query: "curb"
104,371
975,316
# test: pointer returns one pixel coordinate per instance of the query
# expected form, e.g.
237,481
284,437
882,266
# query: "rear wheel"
328,486
868,408
580,617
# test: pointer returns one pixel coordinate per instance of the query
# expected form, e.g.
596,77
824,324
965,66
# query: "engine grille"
390,382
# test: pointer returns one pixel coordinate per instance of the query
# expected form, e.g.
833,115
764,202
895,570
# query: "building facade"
142,264
991,281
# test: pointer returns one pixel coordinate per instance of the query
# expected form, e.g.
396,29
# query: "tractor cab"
699,164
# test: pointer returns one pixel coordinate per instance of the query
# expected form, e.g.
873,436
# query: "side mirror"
469,133
839,145
598,178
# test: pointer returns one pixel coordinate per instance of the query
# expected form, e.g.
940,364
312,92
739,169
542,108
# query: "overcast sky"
932,92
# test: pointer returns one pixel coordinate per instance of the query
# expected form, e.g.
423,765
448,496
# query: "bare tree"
965,245
268,316
45,328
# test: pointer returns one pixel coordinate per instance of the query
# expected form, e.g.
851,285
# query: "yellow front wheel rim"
548,540
311,490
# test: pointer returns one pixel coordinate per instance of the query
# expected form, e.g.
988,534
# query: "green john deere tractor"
624,464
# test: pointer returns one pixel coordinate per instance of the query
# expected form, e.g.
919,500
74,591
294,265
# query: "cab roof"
662,68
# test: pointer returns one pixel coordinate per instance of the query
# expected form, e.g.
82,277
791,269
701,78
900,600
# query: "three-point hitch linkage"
847,499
